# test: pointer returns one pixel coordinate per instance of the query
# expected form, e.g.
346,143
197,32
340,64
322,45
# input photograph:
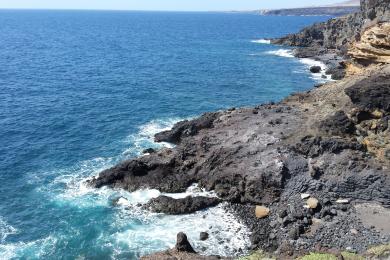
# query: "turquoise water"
81,91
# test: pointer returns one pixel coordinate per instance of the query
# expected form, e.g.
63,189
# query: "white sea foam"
154,232
321,77
77,191
144,138
160,232
6,230
135,229
282,53
262,41
37,249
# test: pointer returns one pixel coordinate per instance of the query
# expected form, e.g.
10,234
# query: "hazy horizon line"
125,10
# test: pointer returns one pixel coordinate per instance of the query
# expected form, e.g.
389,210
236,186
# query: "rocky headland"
310,173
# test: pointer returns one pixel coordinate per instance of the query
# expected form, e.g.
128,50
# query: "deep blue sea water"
83,90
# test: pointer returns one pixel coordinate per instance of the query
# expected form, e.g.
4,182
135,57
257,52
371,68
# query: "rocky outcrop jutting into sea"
297,172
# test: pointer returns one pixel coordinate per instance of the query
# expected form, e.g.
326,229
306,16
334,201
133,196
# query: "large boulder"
315,69
182,244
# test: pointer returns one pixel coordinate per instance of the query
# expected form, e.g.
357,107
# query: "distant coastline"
313,11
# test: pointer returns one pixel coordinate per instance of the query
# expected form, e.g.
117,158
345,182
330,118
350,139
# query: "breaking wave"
262,41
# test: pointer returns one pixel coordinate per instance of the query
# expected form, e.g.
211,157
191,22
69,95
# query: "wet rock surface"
171,206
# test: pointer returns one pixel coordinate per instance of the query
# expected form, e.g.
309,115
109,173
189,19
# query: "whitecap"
282,53
262,41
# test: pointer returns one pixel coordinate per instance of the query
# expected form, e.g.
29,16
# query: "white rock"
354,231
305,196
312,203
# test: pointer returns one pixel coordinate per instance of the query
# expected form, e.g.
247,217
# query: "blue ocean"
82,90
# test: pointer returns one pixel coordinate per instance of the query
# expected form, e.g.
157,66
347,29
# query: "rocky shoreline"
310,173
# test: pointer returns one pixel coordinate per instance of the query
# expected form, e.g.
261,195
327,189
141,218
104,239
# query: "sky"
163,5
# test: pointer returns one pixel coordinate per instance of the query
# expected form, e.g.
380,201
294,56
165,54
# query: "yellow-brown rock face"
374,45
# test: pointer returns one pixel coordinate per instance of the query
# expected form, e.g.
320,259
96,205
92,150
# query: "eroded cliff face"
340,33
375,9
373,45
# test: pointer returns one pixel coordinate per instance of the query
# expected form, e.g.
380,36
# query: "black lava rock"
203,236
182,244
315,69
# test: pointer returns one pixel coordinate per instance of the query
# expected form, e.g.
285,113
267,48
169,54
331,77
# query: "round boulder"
261,211
312,203
203,236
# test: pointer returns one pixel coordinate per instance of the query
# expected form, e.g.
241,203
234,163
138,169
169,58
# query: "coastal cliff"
337,34
304,174
311,11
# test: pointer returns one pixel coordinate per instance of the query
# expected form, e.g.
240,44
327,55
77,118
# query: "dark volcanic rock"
203,236
315,146
337,73
338,124
182,251
371,93
149,150
315,69
186,128
182,244
168,205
